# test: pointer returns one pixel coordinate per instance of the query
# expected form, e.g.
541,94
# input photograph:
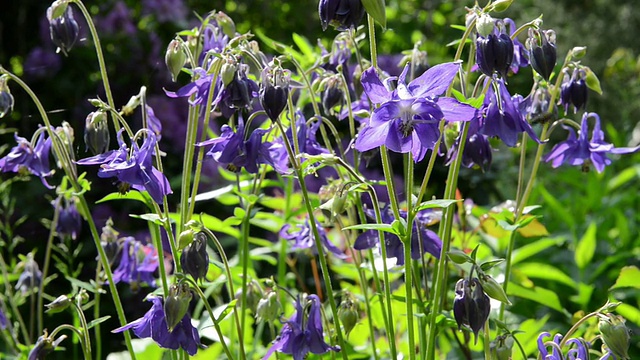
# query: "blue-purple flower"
304,238
471,306
580,151
500,115
477,150
543,53
300,336
31,276
579,348
69,219
3,317
154,325
137,263
28,157
200,87
574,91
231,149
153,123
341,14
134,168
44,345
63,28
423,240
495,51
409,116
519,50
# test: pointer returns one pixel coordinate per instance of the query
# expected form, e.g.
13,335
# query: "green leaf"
131,195
628,277
438,203
529,250
303,45
154,218
555,205
84,285
383,227
377,10
545,271
485,266
586,247
592,81
629,312
624,177
97,321
226,310
540,295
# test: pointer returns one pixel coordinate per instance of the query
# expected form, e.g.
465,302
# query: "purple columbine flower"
579,351
44,345
137,263
303,238
501,117
136,169
63,29
408,117
32,158
199,87
574,91
471,306
306,136
238,93
520,54
154,123
341,14
431,243
477,150
31,276
580,151
300,336
495,52
69,219
232,150
154,325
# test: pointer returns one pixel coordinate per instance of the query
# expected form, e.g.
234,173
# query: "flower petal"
434,81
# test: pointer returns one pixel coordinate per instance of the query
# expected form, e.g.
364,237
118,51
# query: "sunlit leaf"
586,247
628,277
540,295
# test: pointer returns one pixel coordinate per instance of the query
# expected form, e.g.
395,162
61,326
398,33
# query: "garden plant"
285,198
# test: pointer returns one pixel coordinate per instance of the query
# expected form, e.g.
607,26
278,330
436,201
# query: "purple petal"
454,110
434,81
372,137
372,85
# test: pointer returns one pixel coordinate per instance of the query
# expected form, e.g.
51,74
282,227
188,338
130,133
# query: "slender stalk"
45,266
408,260
86,340
12,303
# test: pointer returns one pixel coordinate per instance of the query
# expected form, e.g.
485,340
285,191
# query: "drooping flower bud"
494,53
59,304
274,91
177,304
542,51
96,132
185,238
63,28
574,90
194,258
501,347
69,219
175,58
44,345
109,241
269,307
471,305
485,25
31,275
239,92
491,287
341,14
615,335
332,95
226,23
6,99
348,314
254,294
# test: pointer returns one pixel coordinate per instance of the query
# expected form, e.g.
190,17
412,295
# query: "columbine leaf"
586,247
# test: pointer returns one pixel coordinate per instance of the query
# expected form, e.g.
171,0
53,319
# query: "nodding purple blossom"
520,54
63,29
214,41
153,123
274,90
341,14
304,238
44,345
69,219
579,348
31,276
300,335
232,150
500,115
543,53
477,150
306,136
238,93
471,306
26,157
200,87
133,167
154,325
409,116
574,91
423,240
137,263
580,151
495,51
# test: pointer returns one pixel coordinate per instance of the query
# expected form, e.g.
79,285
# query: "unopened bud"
493,289
63,28
485,25
578,52
6,99
59,304
254,294
194,258
348,314
175,58
96,132
501,5
501,347
177,304
459,256
226,23
615,335
228,72
269,307
185,239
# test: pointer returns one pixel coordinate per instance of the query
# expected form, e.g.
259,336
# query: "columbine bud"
228,72
493,289
44,345
69,219
332,94
177,303
574,90
615,335
348,314
63,28
274,91
59,304
501,347
31,276
175,58
494,53
194,258
96,132
185,238
254,294
6,99
239,92
109,241
226,23
341,14
269,307
501,5
485,25
471,305
542,51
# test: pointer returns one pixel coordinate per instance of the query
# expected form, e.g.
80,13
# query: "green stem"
83,207
45,267
372,41
408,260
101,63
12,303
86,340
